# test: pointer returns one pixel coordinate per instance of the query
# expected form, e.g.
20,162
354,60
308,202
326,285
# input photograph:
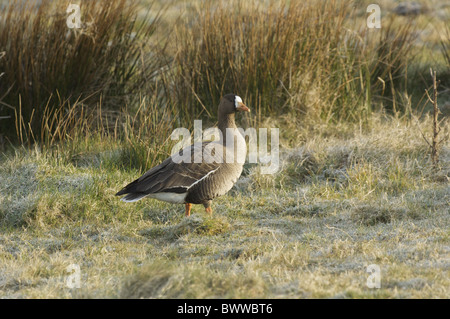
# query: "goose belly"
174,198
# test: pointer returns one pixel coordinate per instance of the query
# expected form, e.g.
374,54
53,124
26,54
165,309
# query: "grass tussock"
275,56
197,225
45,65
371,215
78,134
171,280
207,227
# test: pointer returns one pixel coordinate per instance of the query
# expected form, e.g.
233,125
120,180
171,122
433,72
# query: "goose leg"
188,209
207,205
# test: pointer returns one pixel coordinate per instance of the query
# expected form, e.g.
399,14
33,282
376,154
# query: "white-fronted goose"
179,182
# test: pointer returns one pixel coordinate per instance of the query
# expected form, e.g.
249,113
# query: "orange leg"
209,211
188,209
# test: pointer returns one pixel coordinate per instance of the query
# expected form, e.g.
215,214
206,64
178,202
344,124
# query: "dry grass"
46,65
275,57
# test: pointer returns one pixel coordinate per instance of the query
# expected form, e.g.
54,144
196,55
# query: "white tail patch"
174,198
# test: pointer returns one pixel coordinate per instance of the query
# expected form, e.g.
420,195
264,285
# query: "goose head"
231,104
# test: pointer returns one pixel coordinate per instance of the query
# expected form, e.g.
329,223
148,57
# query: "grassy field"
341,203
356,186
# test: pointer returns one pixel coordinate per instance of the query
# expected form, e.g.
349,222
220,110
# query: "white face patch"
237,100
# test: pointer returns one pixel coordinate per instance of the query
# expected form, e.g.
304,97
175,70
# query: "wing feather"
170,176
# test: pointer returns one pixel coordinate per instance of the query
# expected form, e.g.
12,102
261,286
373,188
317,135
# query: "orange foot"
188,209
208,210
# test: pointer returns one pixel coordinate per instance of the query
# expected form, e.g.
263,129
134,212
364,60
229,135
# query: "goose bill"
243,108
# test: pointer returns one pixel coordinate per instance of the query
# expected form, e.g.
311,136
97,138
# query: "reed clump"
46,64
301,58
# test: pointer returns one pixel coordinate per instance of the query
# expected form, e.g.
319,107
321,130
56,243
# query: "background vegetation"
84,111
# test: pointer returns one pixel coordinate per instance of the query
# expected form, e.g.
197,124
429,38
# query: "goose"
197,182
